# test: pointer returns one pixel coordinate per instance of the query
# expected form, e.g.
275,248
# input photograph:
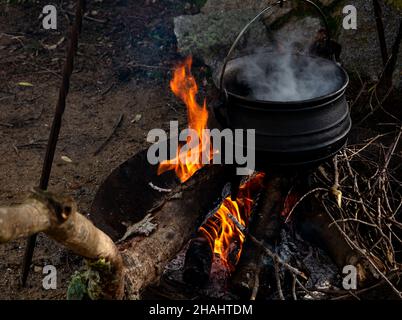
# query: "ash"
216,288
322,272
314,262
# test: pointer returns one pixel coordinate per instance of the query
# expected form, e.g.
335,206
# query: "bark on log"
136,262
264,225
317,227
178,218
59,219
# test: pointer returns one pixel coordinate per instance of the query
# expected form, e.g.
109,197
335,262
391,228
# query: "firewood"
316,226
265,225
198,262
137,262
58,218
176,220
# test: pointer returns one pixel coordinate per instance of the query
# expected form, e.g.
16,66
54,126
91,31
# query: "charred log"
265,225
198,262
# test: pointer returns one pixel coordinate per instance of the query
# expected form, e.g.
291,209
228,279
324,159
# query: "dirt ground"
125,54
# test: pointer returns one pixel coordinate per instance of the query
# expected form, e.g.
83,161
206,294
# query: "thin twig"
115,127
7,125
256,285
278,280
301,200
294,295
276,258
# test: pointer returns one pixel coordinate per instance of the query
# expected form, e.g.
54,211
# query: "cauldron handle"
247,26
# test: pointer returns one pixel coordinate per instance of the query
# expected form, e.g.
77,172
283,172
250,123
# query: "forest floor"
123,67
125,56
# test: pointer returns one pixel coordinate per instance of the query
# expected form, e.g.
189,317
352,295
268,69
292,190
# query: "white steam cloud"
286,76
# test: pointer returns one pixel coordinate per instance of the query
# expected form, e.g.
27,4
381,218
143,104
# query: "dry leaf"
338,196
53,46
25,84
66,159
137,118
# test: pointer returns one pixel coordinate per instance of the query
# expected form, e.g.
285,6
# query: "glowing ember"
183,85
290,201
222,231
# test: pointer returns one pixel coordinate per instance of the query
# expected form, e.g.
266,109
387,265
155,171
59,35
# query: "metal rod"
56,125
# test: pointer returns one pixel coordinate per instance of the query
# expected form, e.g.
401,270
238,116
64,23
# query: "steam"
286,76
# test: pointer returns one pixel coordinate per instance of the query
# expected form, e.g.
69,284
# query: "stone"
210,34
299,31
361,49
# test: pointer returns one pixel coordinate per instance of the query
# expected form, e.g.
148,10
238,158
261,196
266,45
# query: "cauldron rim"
296,104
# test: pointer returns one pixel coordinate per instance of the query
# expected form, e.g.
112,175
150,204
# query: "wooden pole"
56,125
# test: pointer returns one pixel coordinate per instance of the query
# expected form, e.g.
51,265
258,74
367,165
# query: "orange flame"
185,87
222,231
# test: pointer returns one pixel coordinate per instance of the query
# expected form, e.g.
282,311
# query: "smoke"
284,75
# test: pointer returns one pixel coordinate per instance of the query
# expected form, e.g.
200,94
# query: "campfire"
224,230
269,194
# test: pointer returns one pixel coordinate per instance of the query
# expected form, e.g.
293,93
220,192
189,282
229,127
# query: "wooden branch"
264,225
59,219
316,226
176,220
380,31
137,262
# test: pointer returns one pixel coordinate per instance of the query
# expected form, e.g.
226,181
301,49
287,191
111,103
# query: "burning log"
223,233
265,225
198,262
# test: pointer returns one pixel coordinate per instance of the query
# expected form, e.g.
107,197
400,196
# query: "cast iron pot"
288,133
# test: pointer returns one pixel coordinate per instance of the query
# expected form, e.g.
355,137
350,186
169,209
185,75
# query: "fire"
184,86
222,231
225,229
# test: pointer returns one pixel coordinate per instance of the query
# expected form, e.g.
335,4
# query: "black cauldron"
290,133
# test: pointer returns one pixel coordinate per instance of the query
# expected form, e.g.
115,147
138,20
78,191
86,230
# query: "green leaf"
77,288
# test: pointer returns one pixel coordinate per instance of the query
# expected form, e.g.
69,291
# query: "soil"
126,52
